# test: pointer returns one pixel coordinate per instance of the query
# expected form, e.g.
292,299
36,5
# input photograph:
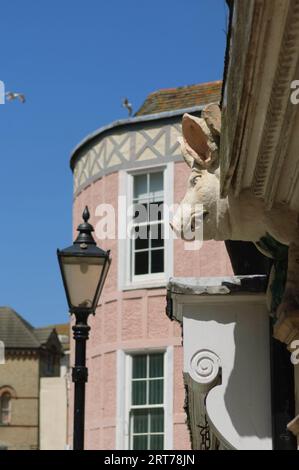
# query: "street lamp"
84,268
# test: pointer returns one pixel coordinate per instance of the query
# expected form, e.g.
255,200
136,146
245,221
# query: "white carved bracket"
204,369
226,362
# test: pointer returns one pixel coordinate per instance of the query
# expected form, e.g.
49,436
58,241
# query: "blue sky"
75,61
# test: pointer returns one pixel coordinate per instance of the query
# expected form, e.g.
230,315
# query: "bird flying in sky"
10,96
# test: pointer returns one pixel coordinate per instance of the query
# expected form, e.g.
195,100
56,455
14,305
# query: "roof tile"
16,332
169,99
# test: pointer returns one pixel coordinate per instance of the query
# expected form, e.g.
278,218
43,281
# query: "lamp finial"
86,214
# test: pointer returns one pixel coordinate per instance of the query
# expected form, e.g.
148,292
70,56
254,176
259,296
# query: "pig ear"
188,155
194,132
212,116
199,141
187,152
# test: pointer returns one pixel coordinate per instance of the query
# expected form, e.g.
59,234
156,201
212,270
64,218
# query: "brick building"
30,355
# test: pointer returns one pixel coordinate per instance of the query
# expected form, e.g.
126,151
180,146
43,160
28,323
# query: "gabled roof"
61,328
43,334
63,332
169,99
17,333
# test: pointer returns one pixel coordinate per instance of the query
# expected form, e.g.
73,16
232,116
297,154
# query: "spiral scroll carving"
204,366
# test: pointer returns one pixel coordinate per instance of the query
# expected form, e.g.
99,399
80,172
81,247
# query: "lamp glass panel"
82,276
104,275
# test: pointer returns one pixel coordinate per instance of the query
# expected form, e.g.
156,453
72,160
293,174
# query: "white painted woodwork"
227,359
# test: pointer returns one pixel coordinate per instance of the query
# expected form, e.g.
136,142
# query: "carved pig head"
201,202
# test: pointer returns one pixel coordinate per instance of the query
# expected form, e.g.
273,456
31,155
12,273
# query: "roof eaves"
129,121
43,334
21,333
29,328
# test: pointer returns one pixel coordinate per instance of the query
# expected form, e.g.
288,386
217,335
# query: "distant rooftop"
169,99
17,333
43,334
160,104
63,331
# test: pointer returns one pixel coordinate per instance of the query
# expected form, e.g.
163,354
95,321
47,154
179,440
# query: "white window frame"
126,280
124,375
160,406
152,276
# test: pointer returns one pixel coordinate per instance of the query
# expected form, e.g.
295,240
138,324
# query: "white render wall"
53,413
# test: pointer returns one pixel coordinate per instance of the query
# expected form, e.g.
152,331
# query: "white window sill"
154,284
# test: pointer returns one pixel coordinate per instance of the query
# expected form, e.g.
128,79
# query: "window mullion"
133,257
150,258
140,224
147,379
148,220
149,430
148,186
131,444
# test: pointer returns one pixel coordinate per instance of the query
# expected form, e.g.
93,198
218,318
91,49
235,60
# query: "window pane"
155,392
157,258
141,263
140,186
146,423
156,365
139,392
142,243
140,442
5,417
5,402
156,211
139,367
157,442
156,186
140,422
140,213
157,234
157,420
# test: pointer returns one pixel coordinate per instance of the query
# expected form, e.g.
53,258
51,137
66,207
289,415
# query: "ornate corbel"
205,369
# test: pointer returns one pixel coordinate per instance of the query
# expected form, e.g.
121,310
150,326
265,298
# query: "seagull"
126,104
11,95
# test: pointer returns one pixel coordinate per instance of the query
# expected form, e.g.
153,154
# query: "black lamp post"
84,269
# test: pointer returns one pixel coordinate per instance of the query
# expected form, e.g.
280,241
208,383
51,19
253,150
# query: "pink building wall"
135,319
